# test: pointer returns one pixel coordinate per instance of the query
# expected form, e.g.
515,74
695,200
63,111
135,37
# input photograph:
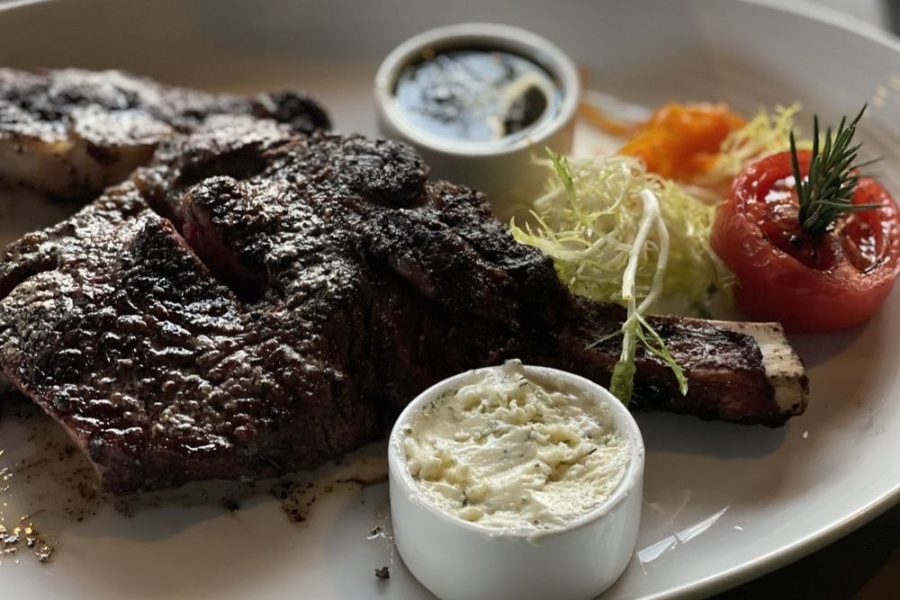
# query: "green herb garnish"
827,191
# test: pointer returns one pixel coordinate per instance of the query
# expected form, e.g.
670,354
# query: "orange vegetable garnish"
682,141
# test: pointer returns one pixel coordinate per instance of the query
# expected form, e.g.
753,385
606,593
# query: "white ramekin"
506,174
457,559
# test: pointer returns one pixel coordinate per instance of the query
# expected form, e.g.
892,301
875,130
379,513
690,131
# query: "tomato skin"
832,283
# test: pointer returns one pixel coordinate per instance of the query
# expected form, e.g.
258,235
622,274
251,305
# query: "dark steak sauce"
474,95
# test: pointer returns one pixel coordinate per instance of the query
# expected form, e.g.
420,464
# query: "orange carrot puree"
681,141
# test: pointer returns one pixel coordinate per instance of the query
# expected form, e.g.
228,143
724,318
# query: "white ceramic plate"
723,503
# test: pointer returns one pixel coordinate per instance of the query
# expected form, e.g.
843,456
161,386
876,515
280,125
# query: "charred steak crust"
71,133
255,302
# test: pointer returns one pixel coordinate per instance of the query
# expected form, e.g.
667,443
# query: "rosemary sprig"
827,192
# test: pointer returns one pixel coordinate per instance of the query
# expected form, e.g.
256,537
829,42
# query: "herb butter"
510,453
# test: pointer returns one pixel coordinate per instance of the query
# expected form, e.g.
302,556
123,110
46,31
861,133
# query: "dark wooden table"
865,565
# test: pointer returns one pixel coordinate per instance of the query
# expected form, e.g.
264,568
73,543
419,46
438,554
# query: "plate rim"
776,559
800,548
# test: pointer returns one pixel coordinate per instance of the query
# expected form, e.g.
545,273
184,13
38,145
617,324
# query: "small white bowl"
458,559
504,172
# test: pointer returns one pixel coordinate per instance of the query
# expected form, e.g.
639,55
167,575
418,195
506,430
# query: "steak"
255,302
71,133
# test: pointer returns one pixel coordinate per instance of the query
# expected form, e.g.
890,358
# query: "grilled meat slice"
256,302
71,133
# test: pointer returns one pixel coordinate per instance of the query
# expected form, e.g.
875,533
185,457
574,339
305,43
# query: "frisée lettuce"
617,233
765,134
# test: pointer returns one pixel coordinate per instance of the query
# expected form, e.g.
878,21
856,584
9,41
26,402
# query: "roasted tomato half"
809,284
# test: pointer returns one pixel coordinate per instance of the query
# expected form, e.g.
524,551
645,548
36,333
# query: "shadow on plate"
22,211
818,350
688,435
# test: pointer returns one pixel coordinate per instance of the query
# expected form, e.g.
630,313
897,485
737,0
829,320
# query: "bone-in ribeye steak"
255,302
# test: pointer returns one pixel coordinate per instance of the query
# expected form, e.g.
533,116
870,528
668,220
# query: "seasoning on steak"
71,133
256,302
